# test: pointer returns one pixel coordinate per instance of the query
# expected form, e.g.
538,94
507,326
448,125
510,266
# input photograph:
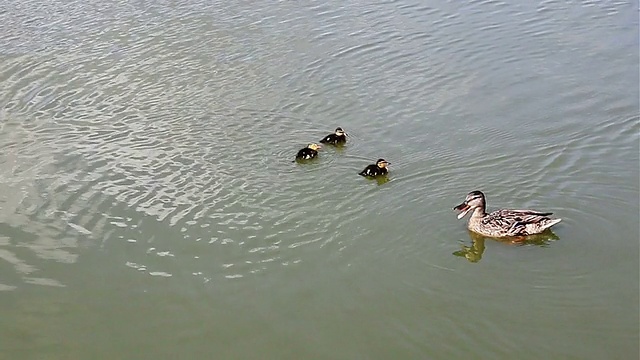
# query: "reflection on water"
381,180
474,252
146,148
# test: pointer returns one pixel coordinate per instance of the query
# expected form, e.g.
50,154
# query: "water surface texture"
149,207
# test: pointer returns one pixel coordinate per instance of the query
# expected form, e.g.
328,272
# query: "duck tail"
550,223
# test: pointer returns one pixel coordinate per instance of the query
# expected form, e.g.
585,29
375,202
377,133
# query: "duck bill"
463,208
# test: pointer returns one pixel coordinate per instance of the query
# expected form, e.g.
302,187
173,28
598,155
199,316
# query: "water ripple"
160,137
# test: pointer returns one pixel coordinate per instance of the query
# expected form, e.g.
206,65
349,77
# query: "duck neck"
478,213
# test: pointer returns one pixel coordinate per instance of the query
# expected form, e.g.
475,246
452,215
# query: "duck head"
340,132
474,199
382,163
314,146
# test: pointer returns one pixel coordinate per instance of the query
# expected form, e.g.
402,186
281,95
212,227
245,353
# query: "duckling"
337,138
502,223
310,152
377,169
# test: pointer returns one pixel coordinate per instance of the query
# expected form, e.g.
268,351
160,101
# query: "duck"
377,169
502,223
339,137
309,152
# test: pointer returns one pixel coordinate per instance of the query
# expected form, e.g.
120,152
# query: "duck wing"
371,170
306,154
519,222
329,139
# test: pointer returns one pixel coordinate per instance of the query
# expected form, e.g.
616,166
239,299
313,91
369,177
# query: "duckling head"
474,199
382,163
340,132
314,146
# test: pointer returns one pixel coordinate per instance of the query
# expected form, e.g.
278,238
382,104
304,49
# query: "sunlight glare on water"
150,208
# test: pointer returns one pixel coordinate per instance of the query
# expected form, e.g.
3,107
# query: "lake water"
149,208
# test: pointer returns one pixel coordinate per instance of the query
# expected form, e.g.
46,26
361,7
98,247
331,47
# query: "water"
149,207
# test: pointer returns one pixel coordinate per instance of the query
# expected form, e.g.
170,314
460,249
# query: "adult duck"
502,223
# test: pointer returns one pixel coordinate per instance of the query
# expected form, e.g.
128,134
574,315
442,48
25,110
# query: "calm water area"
150,208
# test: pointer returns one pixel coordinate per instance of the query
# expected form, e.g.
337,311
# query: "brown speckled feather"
505,222
516,222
